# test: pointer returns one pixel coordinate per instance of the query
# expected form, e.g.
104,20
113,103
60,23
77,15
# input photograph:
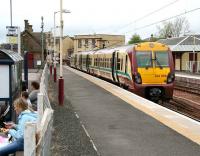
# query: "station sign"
12,34
12,31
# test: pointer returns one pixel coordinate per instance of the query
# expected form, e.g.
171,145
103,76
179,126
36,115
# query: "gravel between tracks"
68,137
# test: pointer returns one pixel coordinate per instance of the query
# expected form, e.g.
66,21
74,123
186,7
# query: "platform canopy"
9,57
188,43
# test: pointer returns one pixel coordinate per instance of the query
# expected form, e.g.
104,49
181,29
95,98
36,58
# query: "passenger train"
146,69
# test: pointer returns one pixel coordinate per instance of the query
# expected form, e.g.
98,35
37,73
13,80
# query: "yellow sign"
12,39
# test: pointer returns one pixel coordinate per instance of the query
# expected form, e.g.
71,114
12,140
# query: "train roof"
122,49
110,50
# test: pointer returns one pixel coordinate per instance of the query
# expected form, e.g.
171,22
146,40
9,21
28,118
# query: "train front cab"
153,71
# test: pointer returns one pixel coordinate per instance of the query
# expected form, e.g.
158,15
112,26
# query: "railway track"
186,99
184,106
190,87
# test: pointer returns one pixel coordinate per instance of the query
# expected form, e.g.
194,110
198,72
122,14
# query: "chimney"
30,28
26,24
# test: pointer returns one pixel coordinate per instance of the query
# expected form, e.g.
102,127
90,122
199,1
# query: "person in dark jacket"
33,94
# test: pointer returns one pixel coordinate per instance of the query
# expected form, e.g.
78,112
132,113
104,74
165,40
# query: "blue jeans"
17,145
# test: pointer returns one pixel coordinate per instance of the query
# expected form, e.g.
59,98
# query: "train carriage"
146,69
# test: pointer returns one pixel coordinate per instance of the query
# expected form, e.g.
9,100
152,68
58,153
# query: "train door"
80,61
87,62
117,66
115,56
113,65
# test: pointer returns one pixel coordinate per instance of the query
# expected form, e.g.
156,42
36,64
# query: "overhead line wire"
139,19
186,12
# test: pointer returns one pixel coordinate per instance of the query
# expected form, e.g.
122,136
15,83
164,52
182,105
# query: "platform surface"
119,128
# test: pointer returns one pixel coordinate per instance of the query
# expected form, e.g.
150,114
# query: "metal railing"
37,136
193,66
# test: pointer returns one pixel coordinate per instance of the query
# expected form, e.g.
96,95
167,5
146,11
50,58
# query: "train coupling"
155,92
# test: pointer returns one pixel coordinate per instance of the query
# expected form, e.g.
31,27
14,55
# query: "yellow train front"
152,71
145,69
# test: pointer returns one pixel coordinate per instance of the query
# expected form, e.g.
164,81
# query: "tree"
135,39
166,31
174,28
180,25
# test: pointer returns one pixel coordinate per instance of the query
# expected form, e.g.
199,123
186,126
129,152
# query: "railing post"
46,78
29,139
40,108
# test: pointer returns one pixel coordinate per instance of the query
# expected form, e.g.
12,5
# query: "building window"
86,43
79,43
93,43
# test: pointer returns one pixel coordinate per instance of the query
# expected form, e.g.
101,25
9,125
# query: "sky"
118,17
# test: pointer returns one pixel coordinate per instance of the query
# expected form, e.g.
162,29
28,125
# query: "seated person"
33,94
17,130
4,109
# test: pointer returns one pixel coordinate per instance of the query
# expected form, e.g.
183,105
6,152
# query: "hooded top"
25,116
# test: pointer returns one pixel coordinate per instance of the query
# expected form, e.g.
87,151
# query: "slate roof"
9,56
183,44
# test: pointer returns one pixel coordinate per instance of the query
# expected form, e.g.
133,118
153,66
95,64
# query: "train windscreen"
161,59
144,59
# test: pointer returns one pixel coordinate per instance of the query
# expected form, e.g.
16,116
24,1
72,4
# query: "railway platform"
189,81
187,77
118,122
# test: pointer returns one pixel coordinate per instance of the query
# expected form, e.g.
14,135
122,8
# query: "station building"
97,41
68,45
31,43
186,52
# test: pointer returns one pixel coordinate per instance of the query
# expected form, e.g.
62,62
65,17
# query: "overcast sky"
102,16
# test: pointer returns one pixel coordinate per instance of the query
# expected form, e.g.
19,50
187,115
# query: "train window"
144,59
98,61
161,59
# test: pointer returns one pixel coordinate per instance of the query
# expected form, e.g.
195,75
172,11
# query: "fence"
37,136
193,66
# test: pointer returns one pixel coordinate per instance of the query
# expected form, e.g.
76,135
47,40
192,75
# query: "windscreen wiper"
158,63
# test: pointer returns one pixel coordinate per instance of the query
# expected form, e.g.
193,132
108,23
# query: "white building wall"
185,58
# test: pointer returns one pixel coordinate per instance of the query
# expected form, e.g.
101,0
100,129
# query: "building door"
193,61
30,60
174,59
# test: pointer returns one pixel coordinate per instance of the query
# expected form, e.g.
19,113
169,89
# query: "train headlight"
170,77
137,78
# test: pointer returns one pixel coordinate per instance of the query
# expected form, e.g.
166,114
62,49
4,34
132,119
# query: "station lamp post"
61,79
54,42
